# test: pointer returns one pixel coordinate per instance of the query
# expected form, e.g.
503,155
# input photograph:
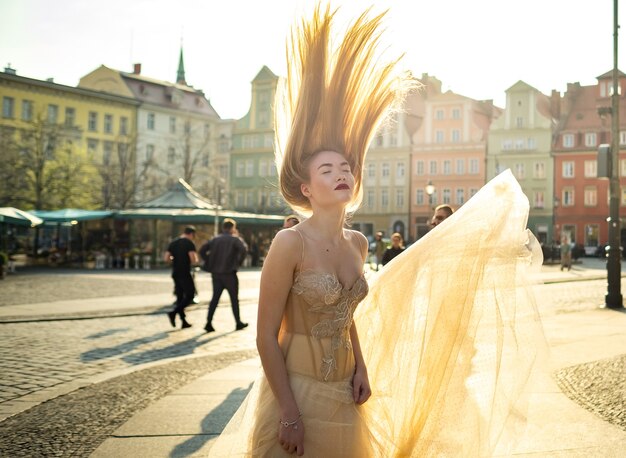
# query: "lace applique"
325,294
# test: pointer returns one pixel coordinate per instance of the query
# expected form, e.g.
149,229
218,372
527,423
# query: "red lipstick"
342,186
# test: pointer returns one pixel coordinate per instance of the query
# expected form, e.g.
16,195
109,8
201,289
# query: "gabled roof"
521,85
609,74
181,195
265,74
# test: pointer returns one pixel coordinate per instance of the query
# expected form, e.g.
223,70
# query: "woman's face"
331,181
396,241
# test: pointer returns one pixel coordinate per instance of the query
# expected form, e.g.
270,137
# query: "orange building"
448,150
583,199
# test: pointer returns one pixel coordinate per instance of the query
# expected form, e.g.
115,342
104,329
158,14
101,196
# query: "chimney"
137,69
9,71
555,104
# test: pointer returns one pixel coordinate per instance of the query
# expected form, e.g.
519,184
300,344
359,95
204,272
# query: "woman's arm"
276,282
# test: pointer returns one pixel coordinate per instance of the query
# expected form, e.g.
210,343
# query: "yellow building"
92,120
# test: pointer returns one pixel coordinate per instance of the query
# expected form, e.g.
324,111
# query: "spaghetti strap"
302,256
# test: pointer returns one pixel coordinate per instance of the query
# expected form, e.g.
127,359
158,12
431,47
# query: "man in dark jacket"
222,257
181,253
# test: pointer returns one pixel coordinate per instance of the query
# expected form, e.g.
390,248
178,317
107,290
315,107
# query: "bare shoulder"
286,241
359,239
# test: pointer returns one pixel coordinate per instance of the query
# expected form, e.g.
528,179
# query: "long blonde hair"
332,99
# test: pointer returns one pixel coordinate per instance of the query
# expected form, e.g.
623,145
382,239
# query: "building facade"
448,151
583,198
253,176
179,134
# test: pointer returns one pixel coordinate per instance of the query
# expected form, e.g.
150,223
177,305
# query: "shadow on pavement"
108,332
102,353
214,421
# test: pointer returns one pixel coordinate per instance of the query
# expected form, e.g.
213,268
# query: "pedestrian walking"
566,254
222,256
181,254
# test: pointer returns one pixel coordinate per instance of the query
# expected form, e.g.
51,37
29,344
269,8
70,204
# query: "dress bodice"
318,317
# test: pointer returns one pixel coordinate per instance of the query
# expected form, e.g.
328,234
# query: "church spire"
180,76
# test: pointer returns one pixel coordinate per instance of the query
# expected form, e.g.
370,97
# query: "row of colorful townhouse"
441,148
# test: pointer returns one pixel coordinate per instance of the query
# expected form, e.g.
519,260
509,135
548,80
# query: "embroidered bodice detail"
325,294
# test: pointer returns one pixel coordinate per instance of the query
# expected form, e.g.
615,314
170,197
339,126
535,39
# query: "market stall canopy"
69,215
11,215
180,196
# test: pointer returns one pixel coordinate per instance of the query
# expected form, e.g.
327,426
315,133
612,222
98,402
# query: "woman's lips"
342,186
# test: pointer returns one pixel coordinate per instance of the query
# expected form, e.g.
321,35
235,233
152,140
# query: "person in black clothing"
181,253
397,247
222,257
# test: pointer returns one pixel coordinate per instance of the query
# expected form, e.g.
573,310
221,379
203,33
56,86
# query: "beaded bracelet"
287,424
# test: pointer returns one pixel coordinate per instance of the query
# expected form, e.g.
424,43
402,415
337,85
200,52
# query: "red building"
581,198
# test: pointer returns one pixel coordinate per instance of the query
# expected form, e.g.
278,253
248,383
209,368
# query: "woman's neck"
327,225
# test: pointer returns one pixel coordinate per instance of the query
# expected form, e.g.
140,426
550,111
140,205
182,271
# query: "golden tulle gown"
450,334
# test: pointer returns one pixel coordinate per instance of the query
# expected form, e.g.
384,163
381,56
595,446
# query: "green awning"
68,215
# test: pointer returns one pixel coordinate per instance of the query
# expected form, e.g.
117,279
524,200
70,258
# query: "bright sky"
477,48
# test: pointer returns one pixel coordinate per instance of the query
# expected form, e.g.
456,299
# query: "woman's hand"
361,386
291,438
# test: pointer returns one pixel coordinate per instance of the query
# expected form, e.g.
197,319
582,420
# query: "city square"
66,354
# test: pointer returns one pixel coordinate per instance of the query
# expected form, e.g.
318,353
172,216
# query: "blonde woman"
313,397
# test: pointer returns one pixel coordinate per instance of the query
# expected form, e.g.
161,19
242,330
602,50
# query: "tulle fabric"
450,334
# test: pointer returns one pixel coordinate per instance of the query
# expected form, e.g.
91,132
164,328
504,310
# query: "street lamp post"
613,298
430,189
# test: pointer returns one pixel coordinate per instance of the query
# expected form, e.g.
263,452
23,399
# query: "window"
263,167
393,139
108,124
249,167
379,140
92,145
433,167
591,196
456,135
107,152
272,169
460,196
172,125
591,169
622,167
240,167
622,138
150,123
473,191
92,122
53,113
447,167
123,125
567,198
27,110
568,169
249,198
460,166
419,197
420,168
447,199
384,198
149,153
207,130
171,155
519,122
187,127
474,169
223,171
239,198
532,144
539,170
590,139
371,170
8,107
520,144
456,113
399,198
371,199
568,140
439,114
507,144
400,170
539,199
623,200
439,136
385,170
70,116
592,232
268,141
519,171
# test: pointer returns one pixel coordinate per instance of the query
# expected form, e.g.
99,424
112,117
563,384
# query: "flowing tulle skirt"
450,335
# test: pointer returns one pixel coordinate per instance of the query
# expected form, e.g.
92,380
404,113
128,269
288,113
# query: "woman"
396,248
313,397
